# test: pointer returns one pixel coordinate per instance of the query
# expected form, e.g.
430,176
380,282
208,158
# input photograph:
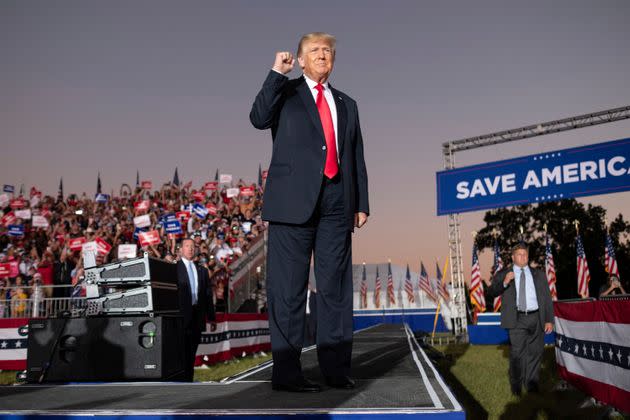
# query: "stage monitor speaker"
136,270
105,349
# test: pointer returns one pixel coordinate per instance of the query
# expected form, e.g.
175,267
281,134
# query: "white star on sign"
18,344
584,348
3,344
592,351
560,342
601,352
577,348
619,355
610,353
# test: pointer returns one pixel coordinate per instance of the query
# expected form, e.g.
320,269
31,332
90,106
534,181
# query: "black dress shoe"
342,382
301,386
532,387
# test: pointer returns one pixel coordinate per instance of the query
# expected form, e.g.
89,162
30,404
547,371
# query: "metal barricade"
38,301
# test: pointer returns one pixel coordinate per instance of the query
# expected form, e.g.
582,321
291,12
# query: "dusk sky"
120,86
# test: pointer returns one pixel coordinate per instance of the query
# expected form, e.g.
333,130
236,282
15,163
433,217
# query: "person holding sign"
527,314
195,303
315,195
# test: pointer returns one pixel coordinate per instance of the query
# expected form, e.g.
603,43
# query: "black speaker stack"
130,331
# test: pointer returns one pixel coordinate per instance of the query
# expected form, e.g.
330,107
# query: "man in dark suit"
527,314
316,193
195,303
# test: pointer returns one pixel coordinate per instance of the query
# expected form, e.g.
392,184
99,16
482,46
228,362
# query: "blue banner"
136,231
101,198
16,230
8,188
173,227
582,171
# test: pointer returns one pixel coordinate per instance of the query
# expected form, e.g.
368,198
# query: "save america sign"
588,170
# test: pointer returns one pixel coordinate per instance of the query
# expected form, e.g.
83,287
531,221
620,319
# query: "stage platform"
394,376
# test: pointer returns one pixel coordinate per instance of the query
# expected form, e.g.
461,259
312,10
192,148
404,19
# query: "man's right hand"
284,62
508,278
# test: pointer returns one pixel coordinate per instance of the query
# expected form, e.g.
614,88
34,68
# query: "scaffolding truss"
458,298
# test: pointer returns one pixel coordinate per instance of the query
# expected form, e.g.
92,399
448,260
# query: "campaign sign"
151,237
147,185
142,221
225,178
35,192
40,222
200,210
173,226
232,192
582,171
212,209
127,251
199,196
4,200
5,270
247,191
8,188
23,214
75,244
183,215
142,205
102,246
18,203
101,198
8,219
16,230
211,186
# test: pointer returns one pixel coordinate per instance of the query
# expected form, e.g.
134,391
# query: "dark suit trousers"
527,341
192,337
327,236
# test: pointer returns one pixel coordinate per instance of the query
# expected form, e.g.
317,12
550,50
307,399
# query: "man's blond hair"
328,38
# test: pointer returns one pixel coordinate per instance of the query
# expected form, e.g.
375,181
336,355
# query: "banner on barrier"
582,171
592,349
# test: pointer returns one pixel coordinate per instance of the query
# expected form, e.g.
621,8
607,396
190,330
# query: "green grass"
212,373
479,377
230,368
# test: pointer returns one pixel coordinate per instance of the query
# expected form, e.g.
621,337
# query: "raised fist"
284,62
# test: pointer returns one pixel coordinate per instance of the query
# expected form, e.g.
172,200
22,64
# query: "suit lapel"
311,108
342,119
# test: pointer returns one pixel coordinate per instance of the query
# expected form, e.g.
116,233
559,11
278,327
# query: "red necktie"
331,168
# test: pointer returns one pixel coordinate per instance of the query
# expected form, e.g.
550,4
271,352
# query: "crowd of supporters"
42,257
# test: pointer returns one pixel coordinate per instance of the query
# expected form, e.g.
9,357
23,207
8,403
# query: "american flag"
476,286
583,275
425,285
498,265
390,285
611,261
409,287
442,290
363,289
550,269
377,290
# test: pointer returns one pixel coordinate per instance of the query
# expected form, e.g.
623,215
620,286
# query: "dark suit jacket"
297,162
508,302
204,298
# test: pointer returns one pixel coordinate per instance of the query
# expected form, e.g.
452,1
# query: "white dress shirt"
328,95
194,282
530,289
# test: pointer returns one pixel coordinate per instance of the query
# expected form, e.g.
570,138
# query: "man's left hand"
360,219
548,327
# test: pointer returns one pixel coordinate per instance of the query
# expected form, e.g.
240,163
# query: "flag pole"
437,309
